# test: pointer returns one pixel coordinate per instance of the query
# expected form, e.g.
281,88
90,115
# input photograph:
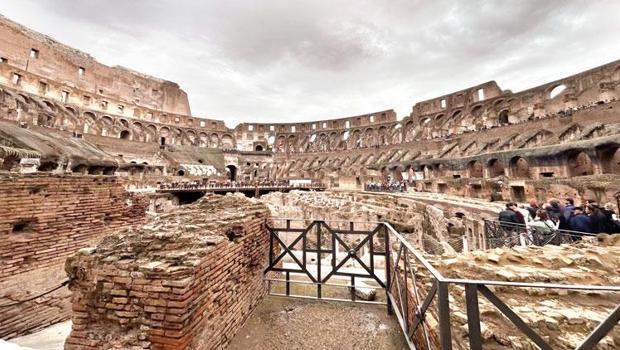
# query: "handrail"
402,281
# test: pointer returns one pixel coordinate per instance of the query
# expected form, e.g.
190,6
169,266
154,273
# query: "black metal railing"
506,234
404,274
408,265
309,245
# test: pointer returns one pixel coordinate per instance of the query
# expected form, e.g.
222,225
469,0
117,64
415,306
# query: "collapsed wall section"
187,279
44,219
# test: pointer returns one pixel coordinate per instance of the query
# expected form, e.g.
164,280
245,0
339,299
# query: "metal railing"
405,272
505,234
409,264
325,240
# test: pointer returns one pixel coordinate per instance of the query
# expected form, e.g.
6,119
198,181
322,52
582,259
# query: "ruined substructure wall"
187,279
43,219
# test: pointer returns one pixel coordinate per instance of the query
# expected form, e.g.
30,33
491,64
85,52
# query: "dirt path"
287,324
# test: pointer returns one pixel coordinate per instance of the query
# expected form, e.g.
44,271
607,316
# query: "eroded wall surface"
43,220
187,279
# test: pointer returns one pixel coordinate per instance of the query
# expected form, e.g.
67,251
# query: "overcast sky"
297,60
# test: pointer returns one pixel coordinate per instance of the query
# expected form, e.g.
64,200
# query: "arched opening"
610,159
495,167
9,163
181,172
520,168
232,172
503,117
271,139
125,135
48,166
580,164
259,148
557,90
81,169
475,169
616,75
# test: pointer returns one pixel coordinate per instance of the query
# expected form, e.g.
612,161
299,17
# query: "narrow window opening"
81,71
17,79
480,94
42,88
34,53
64,96
444,104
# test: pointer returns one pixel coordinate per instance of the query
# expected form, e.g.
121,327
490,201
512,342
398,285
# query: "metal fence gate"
309,246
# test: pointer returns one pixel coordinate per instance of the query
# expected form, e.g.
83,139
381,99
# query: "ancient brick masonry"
185,280
43,219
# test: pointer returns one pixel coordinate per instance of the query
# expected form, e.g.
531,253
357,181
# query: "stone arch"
71,110
203,139
476,111
47,120
228,141
125,135
495,167
191,137
50,105
397,134
368,138
90,123
519,168
609,156
382,137
138,131
615,76
580,164
290,143
556,90
475,169
503,117
214,141
150,133
124,123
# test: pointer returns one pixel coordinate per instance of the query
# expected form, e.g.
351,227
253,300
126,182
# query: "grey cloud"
280,60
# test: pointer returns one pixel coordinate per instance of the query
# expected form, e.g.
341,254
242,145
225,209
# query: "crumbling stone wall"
187,279
44,219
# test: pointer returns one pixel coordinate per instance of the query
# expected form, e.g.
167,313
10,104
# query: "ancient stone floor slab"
286,323
50,338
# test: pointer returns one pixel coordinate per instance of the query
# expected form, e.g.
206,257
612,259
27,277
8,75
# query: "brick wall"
44,219
184,285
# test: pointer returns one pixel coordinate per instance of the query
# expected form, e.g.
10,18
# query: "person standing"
580,222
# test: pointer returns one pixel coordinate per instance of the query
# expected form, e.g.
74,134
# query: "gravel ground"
287,324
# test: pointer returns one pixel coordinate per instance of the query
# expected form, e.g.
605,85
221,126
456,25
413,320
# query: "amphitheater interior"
129,223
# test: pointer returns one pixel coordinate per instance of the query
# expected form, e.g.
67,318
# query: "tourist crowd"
555,215
205,184
387,186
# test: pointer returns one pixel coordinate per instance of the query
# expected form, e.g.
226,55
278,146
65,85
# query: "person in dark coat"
555,210
533,208
508,217
599,221
580,221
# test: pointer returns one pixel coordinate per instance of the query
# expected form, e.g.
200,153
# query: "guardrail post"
522,240
465,244
388,269
473,316
443,304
